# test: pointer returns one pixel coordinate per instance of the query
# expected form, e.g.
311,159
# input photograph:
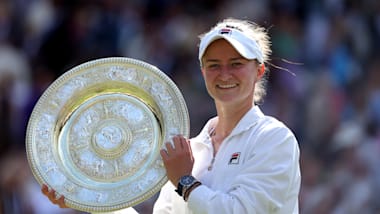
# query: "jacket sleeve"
269,177
163,204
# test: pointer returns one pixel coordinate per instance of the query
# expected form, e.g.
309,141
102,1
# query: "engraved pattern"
102,154
98,147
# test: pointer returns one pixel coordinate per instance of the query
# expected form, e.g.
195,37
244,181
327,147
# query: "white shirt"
256,170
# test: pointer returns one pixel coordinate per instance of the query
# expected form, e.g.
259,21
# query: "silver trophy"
95,134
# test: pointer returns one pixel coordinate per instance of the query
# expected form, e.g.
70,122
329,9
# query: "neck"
228,117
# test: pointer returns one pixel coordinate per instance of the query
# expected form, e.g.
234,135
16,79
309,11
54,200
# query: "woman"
242,161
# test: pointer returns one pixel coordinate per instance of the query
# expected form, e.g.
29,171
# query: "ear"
202,71
261,70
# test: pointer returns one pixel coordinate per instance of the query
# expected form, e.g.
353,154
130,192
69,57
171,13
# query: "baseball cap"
246,46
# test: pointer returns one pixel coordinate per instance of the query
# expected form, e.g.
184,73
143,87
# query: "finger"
45,189
51,196
178,141
49,193
188,147
169,147
164,154
61,202
183,142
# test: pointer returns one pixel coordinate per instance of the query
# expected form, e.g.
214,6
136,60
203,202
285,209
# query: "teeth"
227,86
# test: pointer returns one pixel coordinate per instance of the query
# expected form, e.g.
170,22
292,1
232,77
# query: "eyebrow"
232,59
238,58
211,60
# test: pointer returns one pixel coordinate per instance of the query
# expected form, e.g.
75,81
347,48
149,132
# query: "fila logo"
234,158
225,31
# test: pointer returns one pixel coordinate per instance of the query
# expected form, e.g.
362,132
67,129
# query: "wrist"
185,185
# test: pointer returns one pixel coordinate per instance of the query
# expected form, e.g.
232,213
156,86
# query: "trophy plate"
96,132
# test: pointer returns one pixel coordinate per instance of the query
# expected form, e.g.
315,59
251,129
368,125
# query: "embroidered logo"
234,158
225,31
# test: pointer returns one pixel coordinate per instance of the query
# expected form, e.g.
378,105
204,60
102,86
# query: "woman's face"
230,78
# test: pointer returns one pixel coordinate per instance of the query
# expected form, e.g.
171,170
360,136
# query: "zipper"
211,164
211,134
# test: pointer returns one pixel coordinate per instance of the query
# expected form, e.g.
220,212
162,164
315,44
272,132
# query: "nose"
225,73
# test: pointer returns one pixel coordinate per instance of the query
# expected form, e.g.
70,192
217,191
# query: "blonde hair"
260,35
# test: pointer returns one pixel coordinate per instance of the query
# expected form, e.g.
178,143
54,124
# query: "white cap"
246,46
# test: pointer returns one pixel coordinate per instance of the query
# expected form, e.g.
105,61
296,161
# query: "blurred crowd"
324,81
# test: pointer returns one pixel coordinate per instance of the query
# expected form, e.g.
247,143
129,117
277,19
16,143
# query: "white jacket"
256,170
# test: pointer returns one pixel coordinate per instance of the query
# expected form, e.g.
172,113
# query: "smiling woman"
242,161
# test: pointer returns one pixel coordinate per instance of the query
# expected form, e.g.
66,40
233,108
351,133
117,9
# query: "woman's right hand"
51,195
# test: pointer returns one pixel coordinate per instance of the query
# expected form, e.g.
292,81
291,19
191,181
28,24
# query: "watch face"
186,180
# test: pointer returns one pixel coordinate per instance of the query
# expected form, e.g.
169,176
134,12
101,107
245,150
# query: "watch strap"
190,189
179,189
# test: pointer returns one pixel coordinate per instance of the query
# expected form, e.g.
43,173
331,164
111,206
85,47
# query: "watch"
185,182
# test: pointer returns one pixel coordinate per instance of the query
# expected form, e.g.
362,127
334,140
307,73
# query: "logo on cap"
225,31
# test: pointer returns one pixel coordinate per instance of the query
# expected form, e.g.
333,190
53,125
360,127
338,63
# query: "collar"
246,122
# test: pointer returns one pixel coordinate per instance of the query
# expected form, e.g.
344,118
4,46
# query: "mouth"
227,86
